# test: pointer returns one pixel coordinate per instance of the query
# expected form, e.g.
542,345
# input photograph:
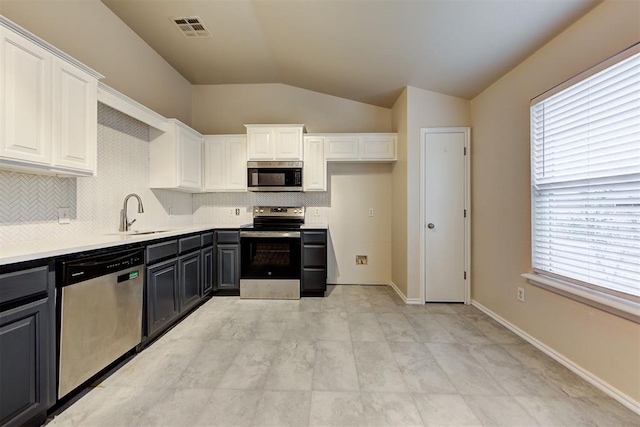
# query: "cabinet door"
190,272
214,163
342,147
315,166
25,350
206,256
162,294
75,115
225,163
378,147
260,144
25,100
189,160
228,267
235,157
314,280
288,143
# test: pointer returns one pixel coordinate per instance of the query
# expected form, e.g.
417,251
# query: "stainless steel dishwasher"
100,314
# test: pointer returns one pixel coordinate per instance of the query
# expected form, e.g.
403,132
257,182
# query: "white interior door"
445,200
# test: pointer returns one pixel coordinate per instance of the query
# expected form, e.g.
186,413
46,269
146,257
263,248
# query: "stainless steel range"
270,253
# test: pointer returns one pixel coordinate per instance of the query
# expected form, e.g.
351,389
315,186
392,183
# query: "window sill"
627,308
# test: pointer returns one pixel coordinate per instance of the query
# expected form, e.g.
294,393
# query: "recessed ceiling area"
366,50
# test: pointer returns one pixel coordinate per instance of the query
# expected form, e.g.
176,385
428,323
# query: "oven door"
270,264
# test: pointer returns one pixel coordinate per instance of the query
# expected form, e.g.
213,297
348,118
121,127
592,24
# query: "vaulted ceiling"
364,50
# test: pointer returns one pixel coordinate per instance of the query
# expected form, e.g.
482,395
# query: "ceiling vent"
191,27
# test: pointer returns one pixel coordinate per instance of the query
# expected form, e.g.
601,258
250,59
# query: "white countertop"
31,250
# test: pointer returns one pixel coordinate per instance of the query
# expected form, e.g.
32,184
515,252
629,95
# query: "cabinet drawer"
207,239
314,280
227,236
23,283
314,256
161,251
187,244
314,237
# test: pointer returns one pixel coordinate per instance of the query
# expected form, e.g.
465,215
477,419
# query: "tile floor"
357,357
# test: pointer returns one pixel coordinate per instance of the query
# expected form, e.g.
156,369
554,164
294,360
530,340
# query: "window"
585,178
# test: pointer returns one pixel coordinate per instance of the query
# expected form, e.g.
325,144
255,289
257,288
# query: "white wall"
603,344
223,109
423,109
29,202
356,188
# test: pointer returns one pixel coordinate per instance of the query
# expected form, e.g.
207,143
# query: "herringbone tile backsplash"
29,203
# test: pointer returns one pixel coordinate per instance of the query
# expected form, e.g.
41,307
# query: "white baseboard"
584,374
404,298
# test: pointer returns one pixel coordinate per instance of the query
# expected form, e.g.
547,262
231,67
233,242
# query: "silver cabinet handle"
431,226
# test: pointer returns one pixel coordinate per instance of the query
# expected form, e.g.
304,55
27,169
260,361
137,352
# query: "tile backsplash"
29,208
216,207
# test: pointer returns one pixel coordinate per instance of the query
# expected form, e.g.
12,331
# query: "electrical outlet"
361,260
232,211
371,212
237,211
316,212
64,216
521,294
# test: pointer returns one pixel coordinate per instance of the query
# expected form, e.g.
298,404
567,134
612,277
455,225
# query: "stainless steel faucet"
124,220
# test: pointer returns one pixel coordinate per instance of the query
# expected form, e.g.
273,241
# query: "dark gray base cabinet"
313,280
206,256
162,295
190,272
227,262
27,348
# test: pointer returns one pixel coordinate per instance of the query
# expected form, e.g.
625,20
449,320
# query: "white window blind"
585,176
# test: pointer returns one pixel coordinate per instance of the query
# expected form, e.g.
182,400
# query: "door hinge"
465,213
465,151
465,275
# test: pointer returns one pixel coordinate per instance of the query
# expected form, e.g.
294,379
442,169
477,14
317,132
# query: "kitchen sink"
138,232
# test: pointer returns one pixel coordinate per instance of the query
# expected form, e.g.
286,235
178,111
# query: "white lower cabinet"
315,165
48,107
378,147
225,163
175,159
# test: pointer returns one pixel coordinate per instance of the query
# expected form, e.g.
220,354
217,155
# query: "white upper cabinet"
315,165
225,163
48,107
175,159
343,147
356,147
274,142
378,147
75,118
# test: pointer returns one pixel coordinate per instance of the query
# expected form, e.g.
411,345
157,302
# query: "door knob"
431,225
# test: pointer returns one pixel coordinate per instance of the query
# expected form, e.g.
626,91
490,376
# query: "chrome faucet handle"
129,223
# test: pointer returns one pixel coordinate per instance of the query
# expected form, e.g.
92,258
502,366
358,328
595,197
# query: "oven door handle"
271,234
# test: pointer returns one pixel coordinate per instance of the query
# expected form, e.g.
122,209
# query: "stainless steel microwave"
274,176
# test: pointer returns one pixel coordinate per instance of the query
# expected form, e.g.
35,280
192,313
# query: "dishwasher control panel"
85,269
